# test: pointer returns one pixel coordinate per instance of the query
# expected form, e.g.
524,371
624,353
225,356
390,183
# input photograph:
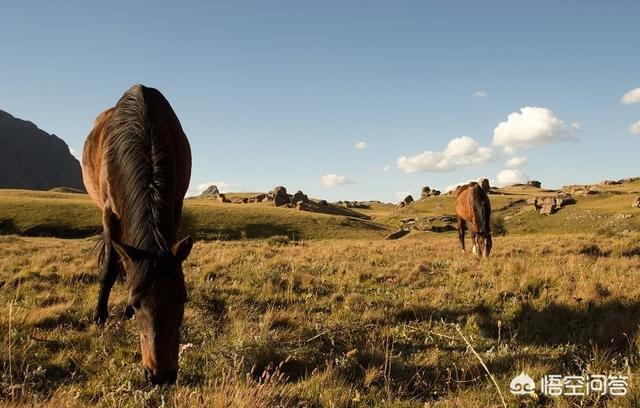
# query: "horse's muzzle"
167,379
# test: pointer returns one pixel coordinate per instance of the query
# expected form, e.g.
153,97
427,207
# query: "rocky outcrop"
280,196
397,234
352,204
33,159
221,198
298,197
534,183
210,192
550,205
406,201
636,203
441,223
428,192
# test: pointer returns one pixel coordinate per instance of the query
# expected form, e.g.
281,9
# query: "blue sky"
280,92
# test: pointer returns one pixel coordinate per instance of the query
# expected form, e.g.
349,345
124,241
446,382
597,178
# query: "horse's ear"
182,249
128,254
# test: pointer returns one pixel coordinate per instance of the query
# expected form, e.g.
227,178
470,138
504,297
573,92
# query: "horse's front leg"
461,230
474,239
109,271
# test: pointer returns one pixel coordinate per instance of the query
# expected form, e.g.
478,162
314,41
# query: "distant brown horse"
473,207
136,166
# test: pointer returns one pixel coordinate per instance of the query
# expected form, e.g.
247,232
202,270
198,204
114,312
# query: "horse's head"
157,295
482,244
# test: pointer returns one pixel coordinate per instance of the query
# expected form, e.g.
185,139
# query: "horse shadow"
612,324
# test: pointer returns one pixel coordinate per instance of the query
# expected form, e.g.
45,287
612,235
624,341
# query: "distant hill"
30,158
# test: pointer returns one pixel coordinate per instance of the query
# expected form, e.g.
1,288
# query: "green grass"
330,323
35,213
610,212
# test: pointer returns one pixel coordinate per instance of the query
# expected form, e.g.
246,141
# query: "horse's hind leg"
462,226
109,271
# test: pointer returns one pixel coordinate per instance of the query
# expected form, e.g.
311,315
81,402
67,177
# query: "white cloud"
330,180
633,96
361,145
516,162
509,177
480,94
223,187
75,154
532,126
460,152
454,186
386,168
635,128
400,195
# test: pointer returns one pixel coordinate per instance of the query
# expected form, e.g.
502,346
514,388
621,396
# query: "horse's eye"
129,311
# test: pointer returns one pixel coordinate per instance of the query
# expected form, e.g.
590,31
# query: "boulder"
636,202
323,203
397,234
259,197
299,196
551,204
548,208
408,199
279,191
534,183
211,191
281,200
221,198
428,192
280,196
611,182
302,205
484,183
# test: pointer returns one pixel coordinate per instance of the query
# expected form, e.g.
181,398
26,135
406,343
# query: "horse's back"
464,201
93,171
138,142
473,205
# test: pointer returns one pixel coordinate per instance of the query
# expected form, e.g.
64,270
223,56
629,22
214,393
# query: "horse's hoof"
100,318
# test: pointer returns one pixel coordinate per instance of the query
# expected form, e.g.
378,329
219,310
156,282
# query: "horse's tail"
483,211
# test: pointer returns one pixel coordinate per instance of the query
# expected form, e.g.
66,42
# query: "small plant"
279,240
592,250
498,225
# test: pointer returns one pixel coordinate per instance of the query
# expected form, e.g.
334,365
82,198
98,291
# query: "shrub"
498,225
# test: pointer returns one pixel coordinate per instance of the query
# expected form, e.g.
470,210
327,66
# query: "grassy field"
71,215
294,308
34,213
331,323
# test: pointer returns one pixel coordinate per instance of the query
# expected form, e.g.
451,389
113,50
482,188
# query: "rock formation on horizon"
31,158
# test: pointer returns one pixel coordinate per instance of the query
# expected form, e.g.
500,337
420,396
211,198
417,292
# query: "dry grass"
330,323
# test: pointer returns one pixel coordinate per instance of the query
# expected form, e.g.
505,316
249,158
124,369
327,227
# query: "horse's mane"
138,160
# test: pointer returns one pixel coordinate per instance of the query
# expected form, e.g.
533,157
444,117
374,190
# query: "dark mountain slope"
30,158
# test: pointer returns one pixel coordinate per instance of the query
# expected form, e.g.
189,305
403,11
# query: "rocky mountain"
30,158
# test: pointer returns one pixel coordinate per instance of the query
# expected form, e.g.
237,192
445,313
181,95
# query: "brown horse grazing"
473,206
136,166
